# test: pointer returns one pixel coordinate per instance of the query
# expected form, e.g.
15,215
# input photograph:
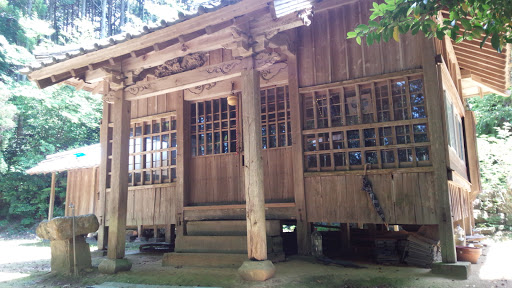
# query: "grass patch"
338,281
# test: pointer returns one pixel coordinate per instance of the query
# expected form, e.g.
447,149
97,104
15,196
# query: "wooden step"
212,259
222,244
228,228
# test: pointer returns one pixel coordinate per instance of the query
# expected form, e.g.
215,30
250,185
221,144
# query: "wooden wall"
325,55
461,204
82,190
406,198
218,179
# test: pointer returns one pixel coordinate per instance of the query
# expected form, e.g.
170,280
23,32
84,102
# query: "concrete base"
62,255
459,270
112,266
257,270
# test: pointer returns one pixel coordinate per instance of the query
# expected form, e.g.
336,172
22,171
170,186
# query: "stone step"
228,228
212,259
222,244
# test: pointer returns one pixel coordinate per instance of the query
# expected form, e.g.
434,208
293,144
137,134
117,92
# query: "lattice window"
454,128
275,117
380,123
213,127
153,150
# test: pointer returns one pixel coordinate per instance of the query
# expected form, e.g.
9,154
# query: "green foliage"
496,170
483,20
491,111
24,198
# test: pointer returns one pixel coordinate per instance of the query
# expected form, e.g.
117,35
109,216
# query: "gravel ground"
26,263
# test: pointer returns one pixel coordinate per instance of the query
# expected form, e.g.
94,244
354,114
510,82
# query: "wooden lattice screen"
382,123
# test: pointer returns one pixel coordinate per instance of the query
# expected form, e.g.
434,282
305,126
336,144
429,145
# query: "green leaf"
375,5
351,34
373,24
495,42
369,39
440,34
358,40
459,39
361,27
466,24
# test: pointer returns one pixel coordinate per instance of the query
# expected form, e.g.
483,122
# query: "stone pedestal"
60,233
62,255
257,270
459,270
112,266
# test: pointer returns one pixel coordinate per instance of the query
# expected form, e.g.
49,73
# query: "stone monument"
59,231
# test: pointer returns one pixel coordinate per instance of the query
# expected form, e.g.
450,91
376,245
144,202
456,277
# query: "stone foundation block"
112,266
257,270
459,270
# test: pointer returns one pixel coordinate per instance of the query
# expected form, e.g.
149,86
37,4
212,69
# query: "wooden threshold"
371,172
152,186
237,206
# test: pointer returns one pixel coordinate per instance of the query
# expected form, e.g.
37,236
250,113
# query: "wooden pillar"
103,176
182,156
435,102
345,238
52,198
119,177
169,233
303,227
253,169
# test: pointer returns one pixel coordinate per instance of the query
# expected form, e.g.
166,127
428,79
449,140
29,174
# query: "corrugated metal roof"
84,157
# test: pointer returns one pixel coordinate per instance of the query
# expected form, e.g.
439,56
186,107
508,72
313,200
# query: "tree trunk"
29,8
122,17
103,23
83,6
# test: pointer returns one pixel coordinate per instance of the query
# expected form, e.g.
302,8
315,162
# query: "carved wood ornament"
199,89
173,66
136,89
110,97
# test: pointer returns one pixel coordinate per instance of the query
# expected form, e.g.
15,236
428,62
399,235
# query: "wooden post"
169,233
182,156
303,228
345,238
103,176
52,198
253,169
434,98
119,177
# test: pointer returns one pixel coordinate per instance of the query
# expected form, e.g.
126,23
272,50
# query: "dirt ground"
26,263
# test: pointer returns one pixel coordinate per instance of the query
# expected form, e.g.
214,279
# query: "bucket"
468,254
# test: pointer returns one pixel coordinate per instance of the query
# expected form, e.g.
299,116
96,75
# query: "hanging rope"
368,188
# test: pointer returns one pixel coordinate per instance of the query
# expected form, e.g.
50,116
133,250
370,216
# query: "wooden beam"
119,177
434,98
185,80
202,43
303,227
472,151
253,169
103,176
182,157
52,198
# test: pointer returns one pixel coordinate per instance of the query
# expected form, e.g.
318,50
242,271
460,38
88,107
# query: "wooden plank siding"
325,55
217,179
406,198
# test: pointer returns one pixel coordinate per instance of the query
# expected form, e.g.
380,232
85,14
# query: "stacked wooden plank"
421,251
389,251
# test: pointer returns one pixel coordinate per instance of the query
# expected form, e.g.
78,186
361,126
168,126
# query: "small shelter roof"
83,157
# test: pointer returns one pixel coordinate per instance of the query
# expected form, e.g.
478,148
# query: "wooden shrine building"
268,87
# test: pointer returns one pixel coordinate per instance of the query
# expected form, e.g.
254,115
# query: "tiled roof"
72,51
